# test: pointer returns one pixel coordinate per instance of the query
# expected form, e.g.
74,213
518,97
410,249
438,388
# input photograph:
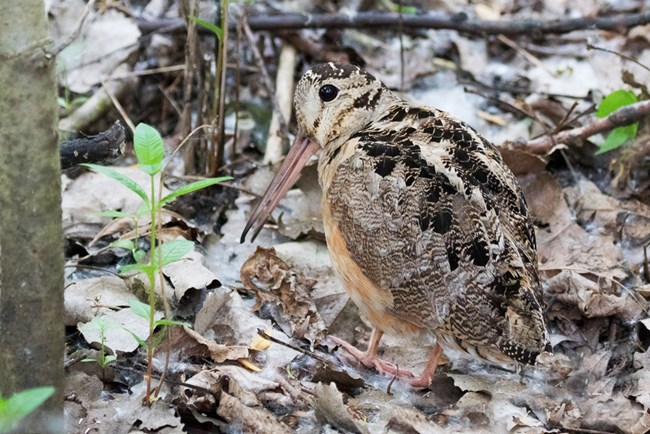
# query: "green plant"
67,102
104,359
16,408
143,310
149,150
618,136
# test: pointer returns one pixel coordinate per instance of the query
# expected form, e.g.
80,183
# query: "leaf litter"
224,376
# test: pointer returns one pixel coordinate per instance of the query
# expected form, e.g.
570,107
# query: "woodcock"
425,224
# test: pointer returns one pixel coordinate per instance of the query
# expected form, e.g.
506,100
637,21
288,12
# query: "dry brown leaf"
190,273
117,412
329,408
192,344
409,420
84,299
117,336
249,419
287,297
590,297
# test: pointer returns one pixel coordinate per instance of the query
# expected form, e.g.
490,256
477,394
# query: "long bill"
299,154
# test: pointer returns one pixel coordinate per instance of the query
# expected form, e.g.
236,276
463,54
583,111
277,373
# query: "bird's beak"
299,154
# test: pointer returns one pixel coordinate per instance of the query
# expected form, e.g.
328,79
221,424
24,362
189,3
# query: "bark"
31,247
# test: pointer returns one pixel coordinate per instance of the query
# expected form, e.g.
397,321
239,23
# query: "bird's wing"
431,214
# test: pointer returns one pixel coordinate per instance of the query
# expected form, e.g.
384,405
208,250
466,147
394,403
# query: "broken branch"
105,146
459,22
624,116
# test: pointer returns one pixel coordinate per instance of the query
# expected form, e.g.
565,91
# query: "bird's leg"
369,358
424,380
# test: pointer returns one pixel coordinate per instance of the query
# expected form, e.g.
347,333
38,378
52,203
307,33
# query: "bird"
426,226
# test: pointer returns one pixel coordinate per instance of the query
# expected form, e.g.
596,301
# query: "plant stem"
151,274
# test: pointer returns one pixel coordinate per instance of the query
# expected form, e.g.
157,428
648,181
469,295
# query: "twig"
266,79
98,104
400,31
161,70
459,22
524,53
624,116
621,55
118,106
284,82
237,88
188,78
223,52
293,347
89,7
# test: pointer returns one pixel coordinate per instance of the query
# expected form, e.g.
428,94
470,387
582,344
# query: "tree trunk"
31,244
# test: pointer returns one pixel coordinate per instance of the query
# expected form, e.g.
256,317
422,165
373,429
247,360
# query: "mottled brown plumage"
425,224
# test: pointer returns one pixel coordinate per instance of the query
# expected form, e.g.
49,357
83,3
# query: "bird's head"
332,102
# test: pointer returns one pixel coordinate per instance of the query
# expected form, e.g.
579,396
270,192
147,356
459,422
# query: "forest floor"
254,356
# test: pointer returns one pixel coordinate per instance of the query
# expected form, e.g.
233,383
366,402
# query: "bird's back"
432,216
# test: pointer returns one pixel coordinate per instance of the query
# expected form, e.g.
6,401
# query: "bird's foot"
372,361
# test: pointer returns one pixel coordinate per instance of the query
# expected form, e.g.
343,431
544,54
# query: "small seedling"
104,359
149,150
618,136
20,405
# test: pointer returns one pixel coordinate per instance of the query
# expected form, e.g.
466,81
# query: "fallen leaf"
329,408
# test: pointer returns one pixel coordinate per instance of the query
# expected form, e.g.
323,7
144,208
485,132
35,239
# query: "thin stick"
119,107
293,21
621,55
221,137
56,50
188,78
293,347
624,116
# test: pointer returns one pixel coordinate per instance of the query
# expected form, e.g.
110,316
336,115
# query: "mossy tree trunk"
31,244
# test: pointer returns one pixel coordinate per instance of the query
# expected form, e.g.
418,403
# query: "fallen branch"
459,22
105,146
624,116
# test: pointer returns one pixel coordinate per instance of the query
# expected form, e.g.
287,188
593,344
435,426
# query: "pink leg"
369,358
424,380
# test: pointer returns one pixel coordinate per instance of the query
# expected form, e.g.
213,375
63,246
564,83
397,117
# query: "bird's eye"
328,92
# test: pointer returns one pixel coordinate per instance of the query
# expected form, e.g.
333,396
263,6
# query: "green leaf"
63,103
109,359
193,186
217,30
101,324
14,409
86,361
144,268
139,308
142,343
123,244
115,214
170,322
122,179
172,251
617,137
614,101
406,10
142,210
148,148
139,255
